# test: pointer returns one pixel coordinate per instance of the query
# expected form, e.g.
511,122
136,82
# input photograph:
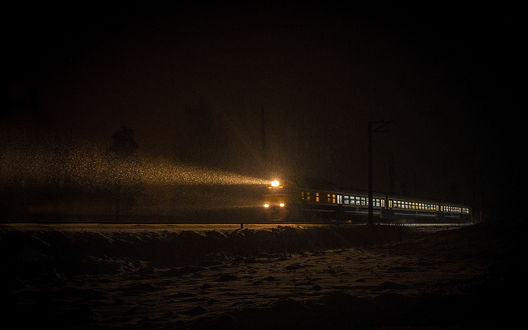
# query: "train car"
285,200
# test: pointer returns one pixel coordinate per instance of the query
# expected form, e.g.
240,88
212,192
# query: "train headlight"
282,204
275,183
266,205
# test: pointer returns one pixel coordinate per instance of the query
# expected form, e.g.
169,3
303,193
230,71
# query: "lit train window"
308,196
302,194
390,203
362,200
382,203
346,200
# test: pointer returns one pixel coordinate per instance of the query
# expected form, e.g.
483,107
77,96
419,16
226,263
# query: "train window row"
380,202
362,201
342,199
455,209
397,204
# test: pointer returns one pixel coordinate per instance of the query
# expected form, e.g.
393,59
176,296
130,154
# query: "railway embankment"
280,277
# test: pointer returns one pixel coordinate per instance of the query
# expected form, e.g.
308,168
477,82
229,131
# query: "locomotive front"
277,199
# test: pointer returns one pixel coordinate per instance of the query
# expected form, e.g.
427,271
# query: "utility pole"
373,127
370,207
263,138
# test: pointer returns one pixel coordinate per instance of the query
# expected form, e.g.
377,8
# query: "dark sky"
192,80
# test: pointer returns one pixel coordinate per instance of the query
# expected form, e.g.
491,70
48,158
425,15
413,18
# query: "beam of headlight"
275,183
92,166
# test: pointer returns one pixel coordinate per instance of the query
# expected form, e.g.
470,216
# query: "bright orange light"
282,205
266,205
275,183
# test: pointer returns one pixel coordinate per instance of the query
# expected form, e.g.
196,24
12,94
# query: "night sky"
192,81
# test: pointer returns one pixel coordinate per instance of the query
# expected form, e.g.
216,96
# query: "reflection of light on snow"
105,227
93,166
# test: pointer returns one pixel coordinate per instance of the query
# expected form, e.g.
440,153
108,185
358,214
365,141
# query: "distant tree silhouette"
125,181
124,145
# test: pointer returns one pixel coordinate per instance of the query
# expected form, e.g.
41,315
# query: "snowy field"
261,277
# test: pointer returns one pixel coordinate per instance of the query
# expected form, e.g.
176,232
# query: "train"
287,200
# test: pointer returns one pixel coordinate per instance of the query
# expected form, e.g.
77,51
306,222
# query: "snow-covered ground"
264,276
